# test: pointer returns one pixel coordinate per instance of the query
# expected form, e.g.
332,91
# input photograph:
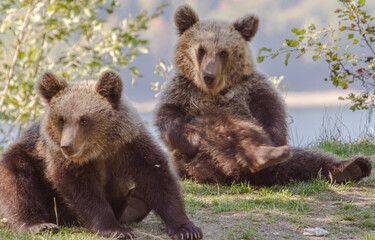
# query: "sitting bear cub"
224,121
89,161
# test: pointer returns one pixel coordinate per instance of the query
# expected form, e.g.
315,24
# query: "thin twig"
150,235
10,69
11,128
55,208
358,22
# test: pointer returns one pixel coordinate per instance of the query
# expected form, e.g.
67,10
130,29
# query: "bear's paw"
354,168
186,232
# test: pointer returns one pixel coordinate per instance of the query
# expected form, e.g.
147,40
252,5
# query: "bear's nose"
208,79
67,148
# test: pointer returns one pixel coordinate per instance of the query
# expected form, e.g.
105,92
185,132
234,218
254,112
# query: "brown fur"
223,120
220,135
91,153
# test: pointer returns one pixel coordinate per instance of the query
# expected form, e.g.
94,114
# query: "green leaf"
22,55
162,6
291,43
263,49
316,57
260,59
143,50
275,55
312,27
51,23
287,59
303,51
296,31
343,28
350,36
355,41
361,3
4,26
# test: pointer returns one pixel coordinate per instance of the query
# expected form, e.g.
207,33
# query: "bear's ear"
184,18
247,26
109,86
48,85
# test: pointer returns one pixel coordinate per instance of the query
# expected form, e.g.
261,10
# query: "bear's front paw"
186,232
41,227
122,233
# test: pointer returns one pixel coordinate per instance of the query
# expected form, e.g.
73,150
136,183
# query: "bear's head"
84,119
213,54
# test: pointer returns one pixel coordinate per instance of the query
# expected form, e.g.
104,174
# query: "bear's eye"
223,54
84,121
61,121
201,52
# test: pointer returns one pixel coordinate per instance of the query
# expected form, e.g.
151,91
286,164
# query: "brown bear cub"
224,121
89,161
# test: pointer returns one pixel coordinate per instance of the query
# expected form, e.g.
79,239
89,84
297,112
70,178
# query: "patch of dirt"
276,224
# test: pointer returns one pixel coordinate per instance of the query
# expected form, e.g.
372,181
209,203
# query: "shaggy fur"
224,121
92,155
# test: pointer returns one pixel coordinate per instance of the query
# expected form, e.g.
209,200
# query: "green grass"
347,150
242,211
370,236
241,231
63,234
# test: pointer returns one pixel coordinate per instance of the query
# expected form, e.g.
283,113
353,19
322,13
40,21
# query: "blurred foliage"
163,71
348,49
70,38
276,82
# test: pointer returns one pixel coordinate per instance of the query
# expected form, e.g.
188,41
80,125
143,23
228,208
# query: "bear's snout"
210,67
209,79
67,148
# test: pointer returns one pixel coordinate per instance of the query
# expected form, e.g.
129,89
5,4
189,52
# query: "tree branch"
10,69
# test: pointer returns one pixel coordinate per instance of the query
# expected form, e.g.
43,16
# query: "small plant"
163,71
348,49
276,82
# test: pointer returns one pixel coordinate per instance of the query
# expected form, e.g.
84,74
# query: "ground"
242,211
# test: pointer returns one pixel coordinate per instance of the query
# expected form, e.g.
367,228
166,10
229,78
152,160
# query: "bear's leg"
135,209
266,156
352,169
21,198
205,168
306,164
159,188
85,195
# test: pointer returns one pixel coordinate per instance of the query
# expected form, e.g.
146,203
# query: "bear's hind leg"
305,164
135,209
22,205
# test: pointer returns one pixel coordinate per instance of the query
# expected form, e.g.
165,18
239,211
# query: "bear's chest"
230,102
